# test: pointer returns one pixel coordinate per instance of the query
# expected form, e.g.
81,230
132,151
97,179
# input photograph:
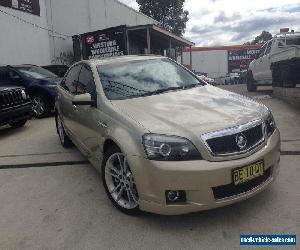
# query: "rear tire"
17,124
251,87
287,77
63,137
276,77
118,181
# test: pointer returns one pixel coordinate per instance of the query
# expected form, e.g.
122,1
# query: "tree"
260,39
169,13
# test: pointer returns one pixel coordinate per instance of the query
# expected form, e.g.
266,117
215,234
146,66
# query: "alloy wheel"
38,106
120,182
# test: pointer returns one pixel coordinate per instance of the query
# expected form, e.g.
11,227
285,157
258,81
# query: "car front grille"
225,142
11,98
229,190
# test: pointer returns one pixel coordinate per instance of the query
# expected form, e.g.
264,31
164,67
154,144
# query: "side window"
70,81
268,50
9,76
3,75
86,82
280,44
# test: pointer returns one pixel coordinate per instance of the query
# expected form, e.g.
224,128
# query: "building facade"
218,61
39,31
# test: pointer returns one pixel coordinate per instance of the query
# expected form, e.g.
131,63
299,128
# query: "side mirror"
84,99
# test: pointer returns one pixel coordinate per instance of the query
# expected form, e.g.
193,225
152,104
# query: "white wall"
22,43
73,17
213,62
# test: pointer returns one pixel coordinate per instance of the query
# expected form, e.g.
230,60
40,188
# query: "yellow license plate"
244,174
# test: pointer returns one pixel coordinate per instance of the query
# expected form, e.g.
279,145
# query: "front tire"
63,137
17,124
40,105
251,87
119,182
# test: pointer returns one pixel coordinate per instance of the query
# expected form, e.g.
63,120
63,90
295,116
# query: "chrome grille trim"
231,131
11,98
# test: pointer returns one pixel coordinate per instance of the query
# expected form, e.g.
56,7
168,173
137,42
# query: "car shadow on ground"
6,131
265,91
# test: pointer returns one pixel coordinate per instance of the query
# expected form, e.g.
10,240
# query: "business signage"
105,43
28,6
239,59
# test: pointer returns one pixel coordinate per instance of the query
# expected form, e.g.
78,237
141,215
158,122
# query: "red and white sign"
90,39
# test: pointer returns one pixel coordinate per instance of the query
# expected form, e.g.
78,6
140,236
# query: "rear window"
293,41
3,75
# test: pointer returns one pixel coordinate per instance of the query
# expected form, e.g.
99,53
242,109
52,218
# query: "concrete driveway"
52,199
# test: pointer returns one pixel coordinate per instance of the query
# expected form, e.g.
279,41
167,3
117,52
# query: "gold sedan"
164,140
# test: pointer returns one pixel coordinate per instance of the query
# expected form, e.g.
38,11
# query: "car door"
65,97
257,68
91,123
266,73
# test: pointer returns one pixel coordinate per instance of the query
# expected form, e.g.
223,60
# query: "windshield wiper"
192,85
160,91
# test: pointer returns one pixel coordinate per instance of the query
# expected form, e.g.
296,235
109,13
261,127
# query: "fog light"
175,196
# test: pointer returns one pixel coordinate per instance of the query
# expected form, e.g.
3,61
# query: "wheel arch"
38,90
107,144
128,143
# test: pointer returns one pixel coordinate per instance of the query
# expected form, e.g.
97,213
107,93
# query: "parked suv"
15,104
278,63
163,140
39,83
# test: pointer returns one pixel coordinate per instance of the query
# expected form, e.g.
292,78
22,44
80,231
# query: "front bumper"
197,179
16,113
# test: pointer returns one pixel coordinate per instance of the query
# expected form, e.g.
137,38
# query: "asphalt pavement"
51,198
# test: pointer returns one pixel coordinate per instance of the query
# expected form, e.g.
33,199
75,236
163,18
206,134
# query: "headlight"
270,123
169,148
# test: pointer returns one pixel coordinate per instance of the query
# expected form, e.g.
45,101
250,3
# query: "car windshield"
144,78
36,72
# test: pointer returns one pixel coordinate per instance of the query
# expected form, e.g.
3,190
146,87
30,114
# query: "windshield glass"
36,72
144,77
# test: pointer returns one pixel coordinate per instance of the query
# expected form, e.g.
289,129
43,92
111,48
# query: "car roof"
118,59
23,65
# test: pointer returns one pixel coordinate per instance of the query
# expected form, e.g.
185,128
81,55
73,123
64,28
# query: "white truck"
278,64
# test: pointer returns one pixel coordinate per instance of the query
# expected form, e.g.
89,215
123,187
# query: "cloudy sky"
228,22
